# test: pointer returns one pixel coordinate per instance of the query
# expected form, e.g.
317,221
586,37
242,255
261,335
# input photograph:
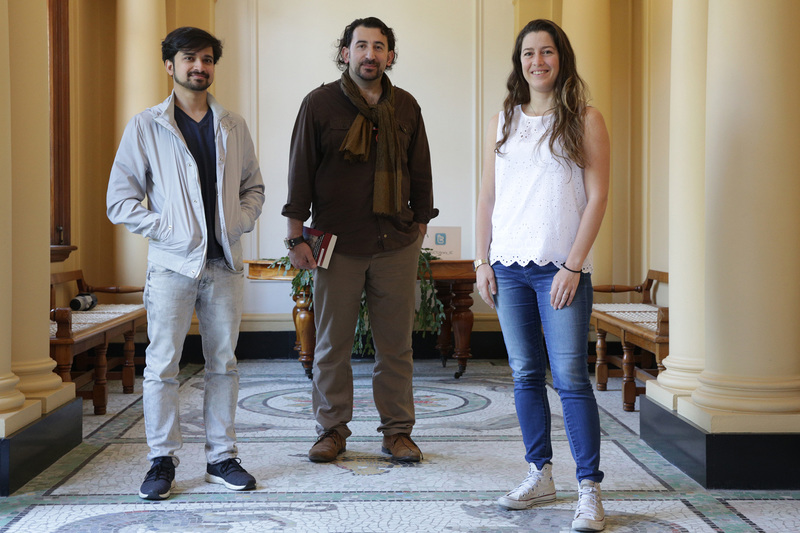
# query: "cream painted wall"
92,125
620,127
456,71
647,141
588,25
657,156
496,34
436,63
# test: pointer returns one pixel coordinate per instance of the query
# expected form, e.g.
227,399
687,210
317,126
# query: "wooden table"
454,282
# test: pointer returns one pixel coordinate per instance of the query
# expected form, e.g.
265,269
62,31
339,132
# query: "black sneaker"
160,479
231,474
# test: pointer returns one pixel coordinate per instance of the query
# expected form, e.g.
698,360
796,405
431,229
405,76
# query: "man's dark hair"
347,38
188,39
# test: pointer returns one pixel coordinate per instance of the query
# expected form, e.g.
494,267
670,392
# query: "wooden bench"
82,337
644,325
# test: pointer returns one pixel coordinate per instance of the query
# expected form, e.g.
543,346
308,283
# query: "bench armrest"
662,323
617,288
115,290
62,316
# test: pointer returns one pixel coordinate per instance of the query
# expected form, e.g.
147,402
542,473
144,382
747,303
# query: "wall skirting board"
280,345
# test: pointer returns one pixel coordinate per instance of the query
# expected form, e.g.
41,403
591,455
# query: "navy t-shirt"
199,137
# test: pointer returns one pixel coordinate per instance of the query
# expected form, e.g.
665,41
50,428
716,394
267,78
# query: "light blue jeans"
525,313
171,299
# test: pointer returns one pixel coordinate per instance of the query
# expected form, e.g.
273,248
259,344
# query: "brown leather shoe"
328,446
401,447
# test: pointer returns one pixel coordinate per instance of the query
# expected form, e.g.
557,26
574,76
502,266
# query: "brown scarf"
387,194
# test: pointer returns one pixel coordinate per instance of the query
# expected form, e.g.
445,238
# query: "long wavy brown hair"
570,95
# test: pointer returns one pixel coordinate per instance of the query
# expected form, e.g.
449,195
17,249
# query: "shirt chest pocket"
336,132
404,134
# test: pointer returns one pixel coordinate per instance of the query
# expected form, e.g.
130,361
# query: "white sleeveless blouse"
539,199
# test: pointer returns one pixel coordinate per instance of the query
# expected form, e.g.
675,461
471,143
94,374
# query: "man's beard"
193,83
376,75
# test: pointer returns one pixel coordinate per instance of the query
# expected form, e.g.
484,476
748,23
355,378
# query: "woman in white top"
543,195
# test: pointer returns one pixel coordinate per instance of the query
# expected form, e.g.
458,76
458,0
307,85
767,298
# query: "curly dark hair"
189,39
570,94
347,38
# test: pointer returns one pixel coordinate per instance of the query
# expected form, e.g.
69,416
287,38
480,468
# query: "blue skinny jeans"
528,322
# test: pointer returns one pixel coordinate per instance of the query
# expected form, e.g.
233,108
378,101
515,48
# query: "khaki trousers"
389,279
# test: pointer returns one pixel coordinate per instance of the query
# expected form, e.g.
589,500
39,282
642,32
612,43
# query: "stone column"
141,83
751,381
30,208
687,205
13,411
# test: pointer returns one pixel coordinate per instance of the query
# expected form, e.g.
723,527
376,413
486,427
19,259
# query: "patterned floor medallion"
429,402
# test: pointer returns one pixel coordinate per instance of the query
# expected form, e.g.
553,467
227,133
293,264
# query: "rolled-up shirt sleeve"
304,156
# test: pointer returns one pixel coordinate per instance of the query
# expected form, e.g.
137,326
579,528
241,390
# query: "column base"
29,451
662,395
743,461
12,422
53,399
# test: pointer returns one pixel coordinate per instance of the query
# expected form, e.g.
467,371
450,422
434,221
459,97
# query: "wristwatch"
291,243
479,262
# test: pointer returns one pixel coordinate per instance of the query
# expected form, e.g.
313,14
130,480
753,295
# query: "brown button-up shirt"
337,193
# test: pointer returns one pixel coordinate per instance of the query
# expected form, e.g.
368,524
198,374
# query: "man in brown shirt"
359,164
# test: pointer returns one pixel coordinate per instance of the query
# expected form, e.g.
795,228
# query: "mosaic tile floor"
466,428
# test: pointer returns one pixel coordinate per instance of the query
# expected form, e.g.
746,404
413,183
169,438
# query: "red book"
321,244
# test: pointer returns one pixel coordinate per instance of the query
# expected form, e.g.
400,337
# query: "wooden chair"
644,325
82,337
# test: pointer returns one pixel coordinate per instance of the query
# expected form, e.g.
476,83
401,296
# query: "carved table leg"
628,379
648,360
63,357
601,365
444,343
462,324
304,325
128,367
100,389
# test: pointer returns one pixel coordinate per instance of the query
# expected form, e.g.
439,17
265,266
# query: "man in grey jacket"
195,164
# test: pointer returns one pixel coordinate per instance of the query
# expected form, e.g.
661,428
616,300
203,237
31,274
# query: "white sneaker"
589,516
536,488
